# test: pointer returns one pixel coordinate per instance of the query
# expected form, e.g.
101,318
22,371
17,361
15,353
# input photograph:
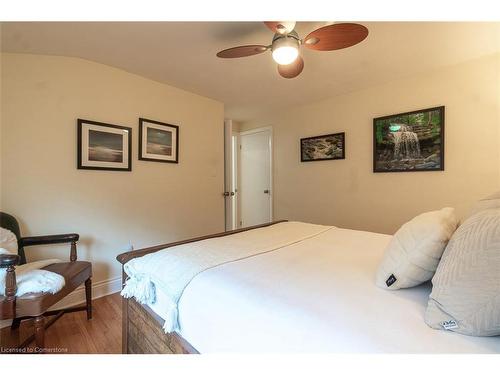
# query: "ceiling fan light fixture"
286,43
285,50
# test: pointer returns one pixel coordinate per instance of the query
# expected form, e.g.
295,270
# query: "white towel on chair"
31,279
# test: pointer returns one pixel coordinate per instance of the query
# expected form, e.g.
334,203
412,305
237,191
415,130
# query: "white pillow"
413,254
465,295
8,241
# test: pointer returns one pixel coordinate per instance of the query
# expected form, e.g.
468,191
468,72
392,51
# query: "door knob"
266,191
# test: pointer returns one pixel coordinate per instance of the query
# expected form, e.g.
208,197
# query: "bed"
316,294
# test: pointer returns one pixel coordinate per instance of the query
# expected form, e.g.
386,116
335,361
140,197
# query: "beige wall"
236,126
346,193
1,111
42,96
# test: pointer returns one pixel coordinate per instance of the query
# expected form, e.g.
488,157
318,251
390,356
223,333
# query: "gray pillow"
492,201
465,295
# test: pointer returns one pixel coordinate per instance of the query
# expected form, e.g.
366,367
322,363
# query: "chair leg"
88,297
40,331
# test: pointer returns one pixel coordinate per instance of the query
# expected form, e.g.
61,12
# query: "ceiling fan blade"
336,36
242,51
291,70
280,27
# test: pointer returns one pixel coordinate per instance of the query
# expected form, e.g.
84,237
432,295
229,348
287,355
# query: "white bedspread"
317,295
172,269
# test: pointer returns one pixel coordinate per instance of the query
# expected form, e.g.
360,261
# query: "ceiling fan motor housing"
292,37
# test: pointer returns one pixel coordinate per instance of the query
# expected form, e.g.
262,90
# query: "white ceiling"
182,54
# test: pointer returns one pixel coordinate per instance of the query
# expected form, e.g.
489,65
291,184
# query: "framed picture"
158,141
323,147
104,146
409,142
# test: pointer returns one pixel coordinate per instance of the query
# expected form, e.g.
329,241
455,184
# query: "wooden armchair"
35,305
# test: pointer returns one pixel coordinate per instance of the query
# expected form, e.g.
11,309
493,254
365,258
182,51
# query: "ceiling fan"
286,44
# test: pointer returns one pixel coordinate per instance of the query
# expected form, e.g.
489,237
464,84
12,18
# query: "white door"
255,194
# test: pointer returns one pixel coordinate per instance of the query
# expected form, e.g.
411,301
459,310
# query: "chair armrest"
45,240
9,260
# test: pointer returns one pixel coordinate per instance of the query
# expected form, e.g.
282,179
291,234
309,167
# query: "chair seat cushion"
31,278
69,270
74,273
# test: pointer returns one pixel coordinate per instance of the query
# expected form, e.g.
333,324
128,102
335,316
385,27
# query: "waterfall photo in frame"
409,142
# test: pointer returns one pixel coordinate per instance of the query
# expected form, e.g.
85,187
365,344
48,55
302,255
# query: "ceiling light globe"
285,50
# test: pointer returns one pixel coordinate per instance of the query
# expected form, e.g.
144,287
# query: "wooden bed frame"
142,331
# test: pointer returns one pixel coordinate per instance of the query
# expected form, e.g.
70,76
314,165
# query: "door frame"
235,149
230,180
269,129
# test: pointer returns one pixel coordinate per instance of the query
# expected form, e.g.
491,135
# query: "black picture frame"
303,142
434,162
82,163
174,129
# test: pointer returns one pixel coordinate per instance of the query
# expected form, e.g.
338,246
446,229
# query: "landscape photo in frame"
103,146
323,147
158,141
409,142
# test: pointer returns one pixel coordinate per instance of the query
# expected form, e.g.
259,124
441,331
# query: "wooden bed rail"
125,257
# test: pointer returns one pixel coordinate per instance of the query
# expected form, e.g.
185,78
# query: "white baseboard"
99,289
77,297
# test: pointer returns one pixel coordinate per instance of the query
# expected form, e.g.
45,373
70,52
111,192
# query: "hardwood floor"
73,333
